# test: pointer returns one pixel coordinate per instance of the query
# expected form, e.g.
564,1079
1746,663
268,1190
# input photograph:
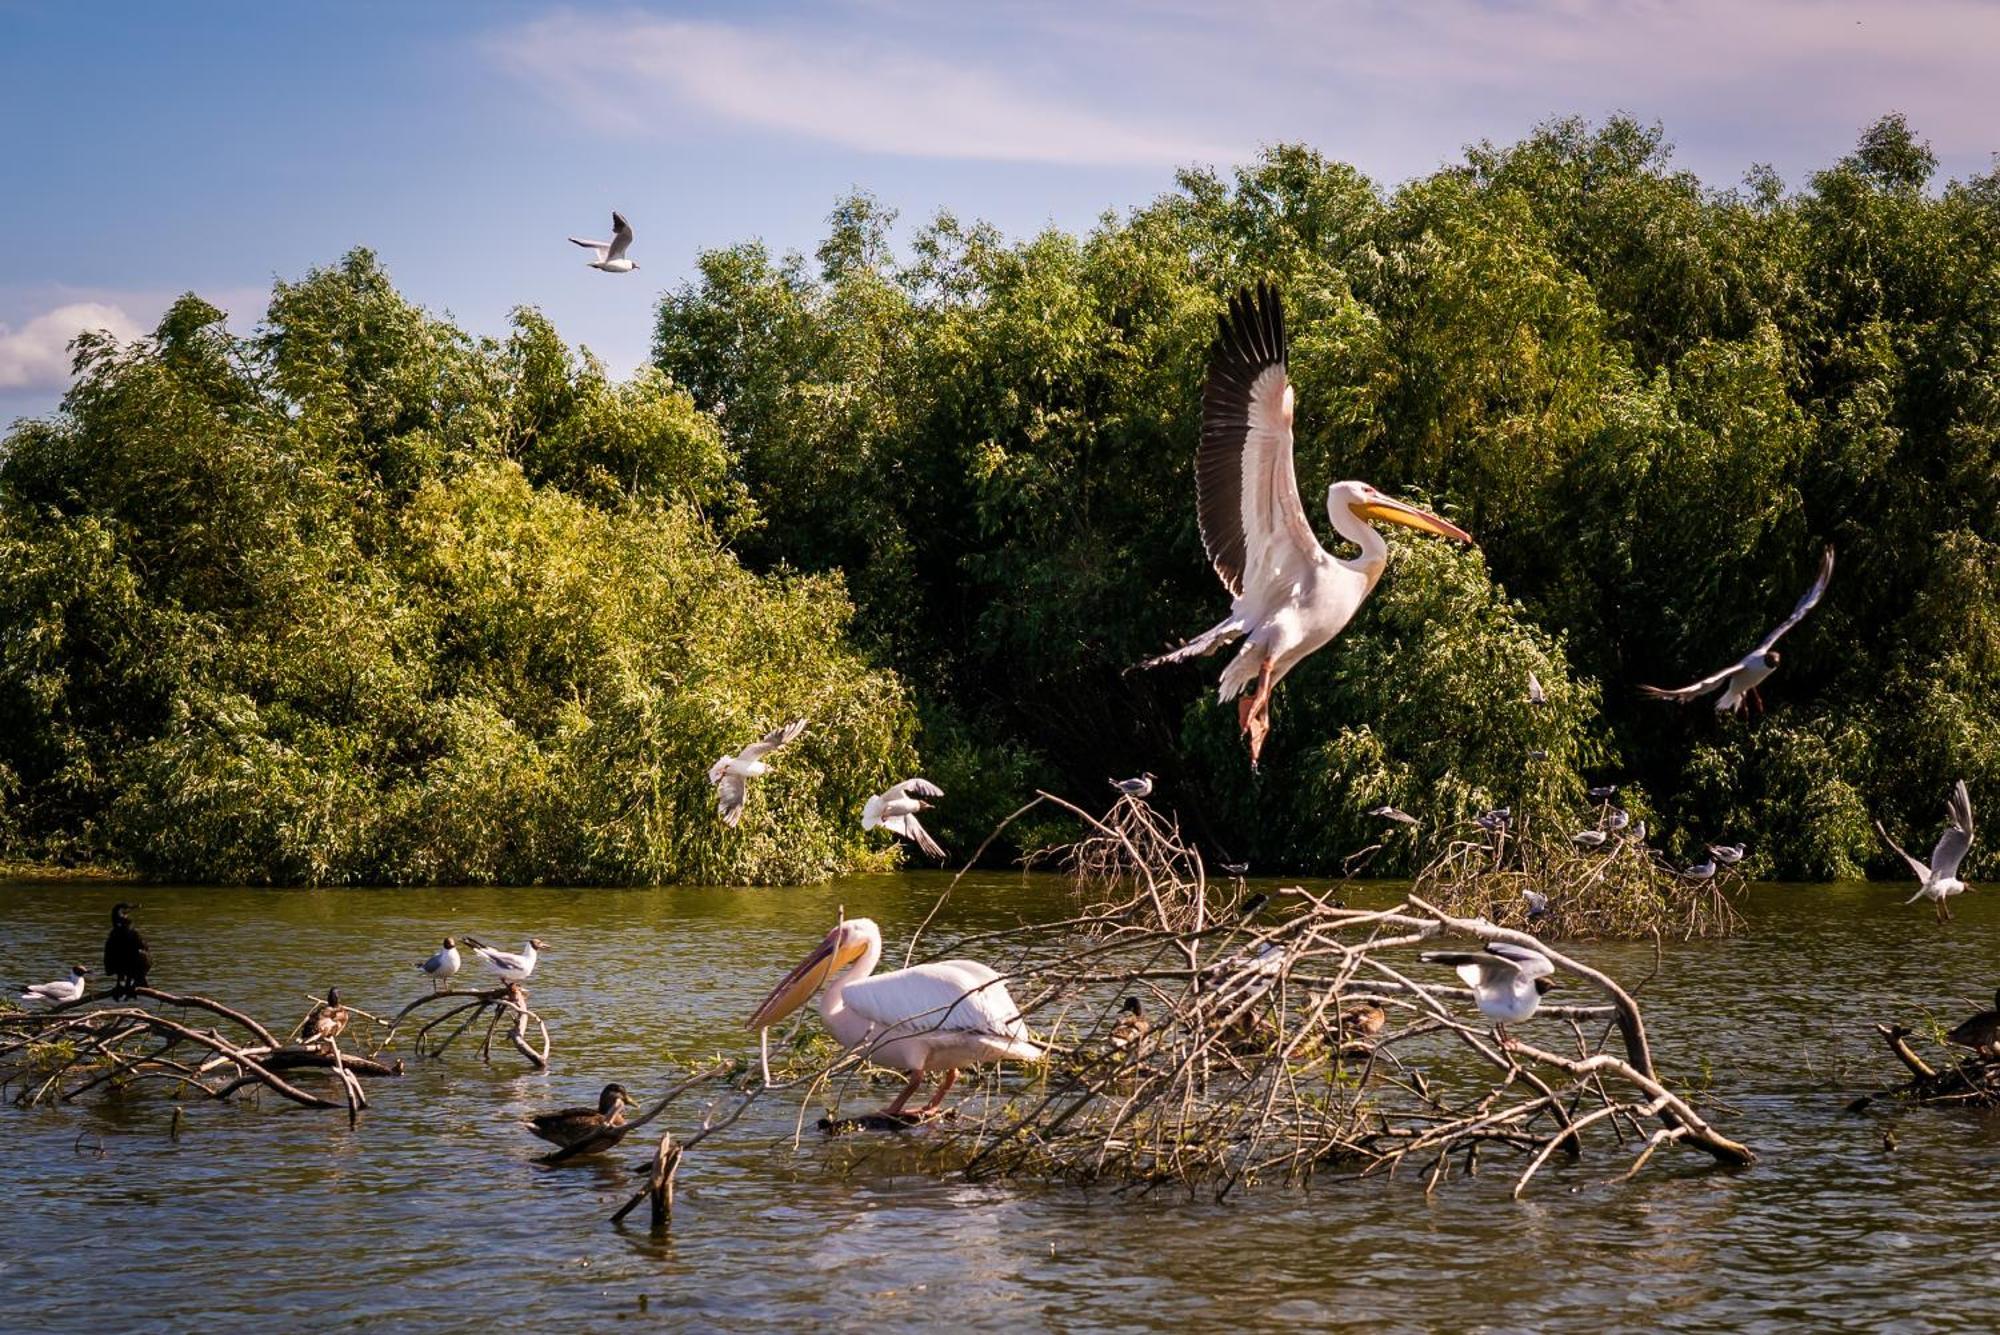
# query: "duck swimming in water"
567,1127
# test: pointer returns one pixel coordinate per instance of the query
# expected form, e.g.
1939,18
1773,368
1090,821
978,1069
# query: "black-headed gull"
60,992
731,774
443,964
1746,674
611,254
896,810
1139,787
1396,814
1940,875
1727,854
1507,980
512,967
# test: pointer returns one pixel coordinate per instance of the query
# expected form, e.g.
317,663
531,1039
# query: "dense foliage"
362,599
1651,402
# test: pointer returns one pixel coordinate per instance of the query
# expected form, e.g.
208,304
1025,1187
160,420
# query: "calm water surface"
429,1215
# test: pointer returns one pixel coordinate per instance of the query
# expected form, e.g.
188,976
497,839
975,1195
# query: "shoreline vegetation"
362,599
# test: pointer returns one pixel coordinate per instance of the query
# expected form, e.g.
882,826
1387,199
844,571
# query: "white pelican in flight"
1940,877
1748,672
927,1018
731,775
896,811
611,254
1290,595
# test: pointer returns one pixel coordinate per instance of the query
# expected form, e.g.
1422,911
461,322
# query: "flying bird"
1536,695
1290,596
512,967
1940,876
1236,869
126,958
1744,675
1727,854
572,1125
1387,812
442,965
896,811
611,254
1139,787
1981,1033
927,1019
1507,980
731,775
327,1022
62,991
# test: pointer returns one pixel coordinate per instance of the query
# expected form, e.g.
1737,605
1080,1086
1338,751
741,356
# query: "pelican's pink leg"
896,1109
1254,714
944,1087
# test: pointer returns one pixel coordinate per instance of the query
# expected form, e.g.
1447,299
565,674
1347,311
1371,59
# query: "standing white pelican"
731,774
1290,595
896,810
929,1017
60,992
1507,980
512,967
611,254
1747,673
1940,877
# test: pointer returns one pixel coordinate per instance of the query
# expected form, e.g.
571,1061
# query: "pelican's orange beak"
1387,511
840,949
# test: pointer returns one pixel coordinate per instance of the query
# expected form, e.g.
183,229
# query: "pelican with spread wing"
1940,875
929,1018
1291,596
1746,674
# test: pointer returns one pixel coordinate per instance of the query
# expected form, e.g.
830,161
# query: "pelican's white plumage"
1290,595
1747,673
896,810
513,967
934,1017
611,254
1940,875
60,992
731,775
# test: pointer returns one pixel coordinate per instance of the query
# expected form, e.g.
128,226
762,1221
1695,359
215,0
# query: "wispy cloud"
36,356
638,75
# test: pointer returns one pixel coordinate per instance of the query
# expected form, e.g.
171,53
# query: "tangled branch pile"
1530,874
58,1055
1972,1081
1273,1052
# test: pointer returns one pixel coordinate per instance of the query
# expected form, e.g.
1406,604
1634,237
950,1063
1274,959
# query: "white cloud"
36,356
635,75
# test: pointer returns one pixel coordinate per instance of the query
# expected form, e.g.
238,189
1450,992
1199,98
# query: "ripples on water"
430,1214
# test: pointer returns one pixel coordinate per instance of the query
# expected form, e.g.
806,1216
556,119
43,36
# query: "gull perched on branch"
1745,675
60,992
1139,787
1507,980
442,965
1290,595
1940,875
1727,854
896,811
731,774
512,967
611,254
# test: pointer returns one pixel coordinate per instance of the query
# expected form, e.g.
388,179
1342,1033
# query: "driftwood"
506,1006
1971,1081
63,1052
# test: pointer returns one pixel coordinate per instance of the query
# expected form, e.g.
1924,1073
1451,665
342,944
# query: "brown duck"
571,1125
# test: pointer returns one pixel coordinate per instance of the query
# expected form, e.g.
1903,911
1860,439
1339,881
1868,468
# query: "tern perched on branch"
1746,674
896,811
1940,877
731,775
611,254
1291,596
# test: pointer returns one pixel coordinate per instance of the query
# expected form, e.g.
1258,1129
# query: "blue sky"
156,148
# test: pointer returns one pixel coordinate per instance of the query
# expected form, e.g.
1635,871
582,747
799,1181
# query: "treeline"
1651,402
363,599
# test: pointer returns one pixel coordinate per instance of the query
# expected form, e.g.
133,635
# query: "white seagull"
929,1018
1290,595
611,254
1700,871
1727,854
1396,814
1591,839
1940,877
511,967
1747,673
443,964
1536,695
896,810
1507,980
731,774
62,991
1139,787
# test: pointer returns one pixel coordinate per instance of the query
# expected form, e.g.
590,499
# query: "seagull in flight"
611,254
896,810
1744,675
731,774
1536,695
60,992
1507,980
512,967
1940,876
1396,814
